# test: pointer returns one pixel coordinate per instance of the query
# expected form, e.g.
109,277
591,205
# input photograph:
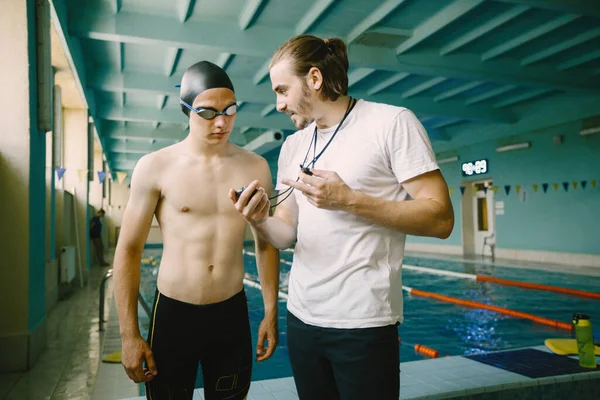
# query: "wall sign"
478,167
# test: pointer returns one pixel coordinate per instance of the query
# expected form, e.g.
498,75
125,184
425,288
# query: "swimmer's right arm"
280,230
137,219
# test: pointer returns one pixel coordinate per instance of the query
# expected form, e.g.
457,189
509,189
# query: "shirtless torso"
203,234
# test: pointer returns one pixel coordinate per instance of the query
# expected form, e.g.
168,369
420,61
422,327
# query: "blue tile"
261,396
410,392
285,395
274,385
257,388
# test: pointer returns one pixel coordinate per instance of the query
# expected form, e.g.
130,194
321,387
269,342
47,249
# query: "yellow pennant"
518,188
451,190
496,189
535,187
594,182
82,173
474,190
575,185
555,186
121,176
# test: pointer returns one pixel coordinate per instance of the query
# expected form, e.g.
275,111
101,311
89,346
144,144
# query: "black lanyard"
351,105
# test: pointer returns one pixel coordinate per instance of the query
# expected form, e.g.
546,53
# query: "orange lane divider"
523,285
428,351
526,285
501,310
419,348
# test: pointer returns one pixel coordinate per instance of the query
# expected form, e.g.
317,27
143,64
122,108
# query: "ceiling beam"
263,41
305,23
153,84
483,29
456,91
312,15
522,97
142,29
489,94
581,7
136,148
171,60
381,86
577,61
437,22
249,13
138,133
562,46
428,84
116,5
358,75
526,37
469,67
185,8
372,19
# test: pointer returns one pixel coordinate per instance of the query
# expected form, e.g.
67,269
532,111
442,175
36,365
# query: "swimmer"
200,312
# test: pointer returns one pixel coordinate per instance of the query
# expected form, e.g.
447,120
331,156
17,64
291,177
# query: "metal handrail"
108,274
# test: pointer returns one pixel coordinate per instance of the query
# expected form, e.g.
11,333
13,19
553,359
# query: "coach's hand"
324,189
134,351
255,209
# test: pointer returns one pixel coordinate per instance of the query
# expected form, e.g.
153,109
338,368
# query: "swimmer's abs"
202,283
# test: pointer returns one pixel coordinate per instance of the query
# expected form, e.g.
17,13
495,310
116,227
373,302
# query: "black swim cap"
199,77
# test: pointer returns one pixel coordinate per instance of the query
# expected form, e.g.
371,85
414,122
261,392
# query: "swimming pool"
448,328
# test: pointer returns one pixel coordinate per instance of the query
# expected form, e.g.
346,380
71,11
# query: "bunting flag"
451,190
496,189
518,188
583,184
475,190
485,189
555,186
545,187
535,187
101,176
594,182
566,186
574,184
462,190
507,189
121,176
60,172
82,173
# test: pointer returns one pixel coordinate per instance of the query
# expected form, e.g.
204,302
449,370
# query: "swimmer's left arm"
267,261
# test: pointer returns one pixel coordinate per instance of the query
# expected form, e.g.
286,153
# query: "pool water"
448,328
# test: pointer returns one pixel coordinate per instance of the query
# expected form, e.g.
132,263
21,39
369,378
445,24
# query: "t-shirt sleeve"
283,167
409,147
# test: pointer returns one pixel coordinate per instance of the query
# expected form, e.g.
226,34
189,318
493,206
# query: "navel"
211,267
185,209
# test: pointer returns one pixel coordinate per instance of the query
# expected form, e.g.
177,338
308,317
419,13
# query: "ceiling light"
516,146
447,160
589,131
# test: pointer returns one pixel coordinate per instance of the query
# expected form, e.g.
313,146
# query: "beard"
303,116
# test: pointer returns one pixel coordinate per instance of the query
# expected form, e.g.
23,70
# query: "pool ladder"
101,320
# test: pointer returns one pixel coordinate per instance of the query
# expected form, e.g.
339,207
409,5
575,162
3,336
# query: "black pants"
216,335
345,364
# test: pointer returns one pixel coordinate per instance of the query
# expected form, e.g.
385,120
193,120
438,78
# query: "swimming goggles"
210,113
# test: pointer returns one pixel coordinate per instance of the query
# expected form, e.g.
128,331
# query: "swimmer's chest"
200,191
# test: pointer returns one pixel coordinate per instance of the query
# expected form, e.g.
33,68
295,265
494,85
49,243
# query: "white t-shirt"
346,271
